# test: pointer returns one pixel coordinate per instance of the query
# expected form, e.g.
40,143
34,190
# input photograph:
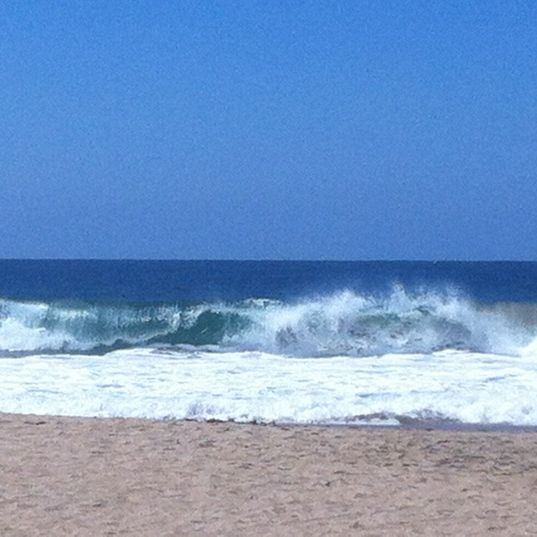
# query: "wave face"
344,323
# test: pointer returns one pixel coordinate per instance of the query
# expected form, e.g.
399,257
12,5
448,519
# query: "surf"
344,323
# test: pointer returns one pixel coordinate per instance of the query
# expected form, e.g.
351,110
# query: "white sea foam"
254,386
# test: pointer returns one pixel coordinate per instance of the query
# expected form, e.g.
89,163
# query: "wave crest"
344,323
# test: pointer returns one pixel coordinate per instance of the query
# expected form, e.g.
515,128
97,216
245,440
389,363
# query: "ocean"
305,342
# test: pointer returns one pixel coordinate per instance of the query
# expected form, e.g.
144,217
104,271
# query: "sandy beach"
75,476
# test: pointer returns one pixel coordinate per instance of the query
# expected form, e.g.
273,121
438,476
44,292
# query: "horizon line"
269,260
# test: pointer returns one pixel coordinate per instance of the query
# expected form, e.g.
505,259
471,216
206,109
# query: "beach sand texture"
70,476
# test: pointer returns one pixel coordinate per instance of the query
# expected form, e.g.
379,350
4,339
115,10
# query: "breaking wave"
344,323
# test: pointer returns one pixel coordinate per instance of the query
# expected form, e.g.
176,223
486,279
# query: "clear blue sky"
342,130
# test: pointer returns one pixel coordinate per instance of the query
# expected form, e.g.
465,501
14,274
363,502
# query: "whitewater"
343,357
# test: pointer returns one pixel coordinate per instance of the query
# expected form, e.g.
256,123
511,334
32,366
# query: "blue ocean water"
306,342
195,281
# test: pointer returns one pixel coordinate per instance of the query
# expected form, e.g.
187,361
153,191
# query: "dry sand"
69,476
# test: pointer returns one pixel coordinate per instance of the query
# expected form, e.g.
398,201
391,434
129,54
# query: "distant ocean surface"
271,341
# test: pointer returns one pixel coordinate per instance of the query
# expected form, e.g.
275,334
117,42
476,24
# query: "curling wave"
344,323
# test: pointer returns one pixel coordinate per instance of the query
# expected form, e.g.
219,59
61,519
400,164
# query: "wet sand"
92,477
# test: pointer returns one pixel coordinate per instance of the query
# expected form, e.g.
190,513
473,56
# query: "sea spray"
341,323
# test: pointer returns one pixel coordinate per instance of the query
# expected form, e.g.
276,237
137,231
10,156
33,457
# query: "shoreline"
129,476
407,424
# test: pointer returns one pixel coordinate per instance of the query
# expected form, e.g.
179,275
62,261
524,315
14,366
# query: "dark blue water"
196,281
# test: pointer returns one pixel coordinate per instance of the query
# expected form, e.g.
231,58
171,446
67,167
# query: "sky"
268,130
